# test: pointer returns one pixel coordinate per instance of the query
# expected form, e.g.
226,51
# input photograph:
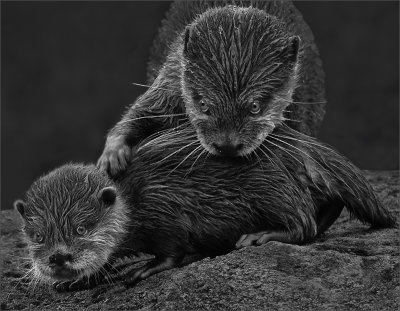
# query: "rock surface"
351,267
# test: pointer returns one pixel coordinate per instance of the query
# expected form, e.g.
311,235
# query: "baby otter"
174,201
231,71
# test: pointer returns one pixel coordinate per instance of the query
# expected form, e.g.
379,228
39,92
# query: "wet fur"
175,201
250,71
59,202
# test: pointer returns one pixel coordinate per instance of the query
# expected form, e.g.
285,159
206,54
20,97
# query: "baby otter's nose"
59,259
228,148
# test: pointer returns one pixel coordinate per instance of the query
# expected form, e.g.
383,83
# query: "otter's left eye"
81,230
38,237
203,105
255,107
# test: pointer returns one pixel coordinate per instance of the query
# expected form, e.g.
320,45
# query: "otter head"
73,219
239,70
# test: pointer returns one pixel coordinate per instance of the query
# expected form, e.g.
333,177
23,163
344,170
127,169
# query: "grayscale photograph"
200,155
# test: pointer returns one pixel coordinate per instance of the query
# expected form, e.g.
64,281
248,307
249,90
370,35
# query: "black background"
67,69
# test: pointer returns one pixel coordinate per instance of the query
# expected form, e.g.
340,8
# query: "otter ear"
20,206
186,39
294,47
108,195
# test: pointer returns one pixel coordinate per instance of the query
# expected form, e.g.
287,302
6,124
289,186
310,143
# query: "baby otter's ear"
186,39
294,47
20,206
108,195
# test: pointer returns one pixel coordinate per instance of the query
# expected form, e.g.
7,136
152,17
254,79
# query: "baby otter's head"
239,75
73,220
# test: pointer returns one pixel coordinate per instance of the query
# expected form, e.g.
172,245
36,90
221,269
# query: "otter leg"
155,266
263,237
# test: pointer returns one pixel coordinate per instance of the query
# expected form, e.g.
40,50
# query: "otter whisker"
287,119
302,151
152,117
166,139
265,152
290,145
194,162
283,149
301,103
152,87
308,155
302,141
259,159
175,152
163,136
193,151
27,275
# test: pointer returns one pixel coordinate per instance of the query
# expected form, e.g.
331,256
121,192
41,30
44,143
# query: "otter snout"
228,145
228,149
59,260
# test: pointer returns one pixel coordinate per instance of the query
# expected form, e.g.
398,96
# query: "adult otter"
174,201
232,70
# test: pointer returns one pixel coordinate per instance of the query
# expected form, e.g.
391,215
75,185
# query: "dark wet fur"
208,209
165,94
192,203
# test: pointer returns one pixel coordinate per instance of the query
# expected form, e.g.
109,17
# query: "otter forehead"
234,51
67,195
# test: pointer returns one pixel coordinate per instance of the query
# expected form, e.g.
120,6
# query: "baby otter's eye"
203,105
81,230
201,102
255,107
38,237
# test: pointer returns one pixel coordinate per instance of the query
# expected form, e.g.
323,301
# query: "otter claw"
262,238
66,286
61,286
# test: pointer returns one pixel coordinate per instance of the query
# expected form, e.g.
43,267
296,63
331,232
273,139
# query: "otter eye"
38,237
255,107
203,105
81,230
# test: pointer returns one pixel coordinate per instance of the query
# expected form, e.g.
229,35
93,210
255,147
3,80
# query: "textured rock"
351,267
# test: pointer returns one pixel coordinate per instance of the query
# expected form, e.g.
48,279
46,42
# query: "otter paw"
155,266
262,238
134,277
116,156
74,285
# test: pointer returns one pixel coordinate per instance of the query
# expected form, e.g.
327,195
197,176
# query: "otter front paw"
116,156
68,286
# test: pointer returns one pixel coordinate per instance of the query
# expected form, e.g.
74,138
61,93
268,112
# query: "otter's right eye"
203,105
38,237
81,230
255,107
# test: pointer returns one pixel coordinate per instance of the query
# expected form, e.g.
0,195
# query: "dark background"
67,68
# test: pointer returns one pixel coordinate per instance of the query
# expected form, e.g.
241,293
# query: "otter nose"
228,149
59,259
